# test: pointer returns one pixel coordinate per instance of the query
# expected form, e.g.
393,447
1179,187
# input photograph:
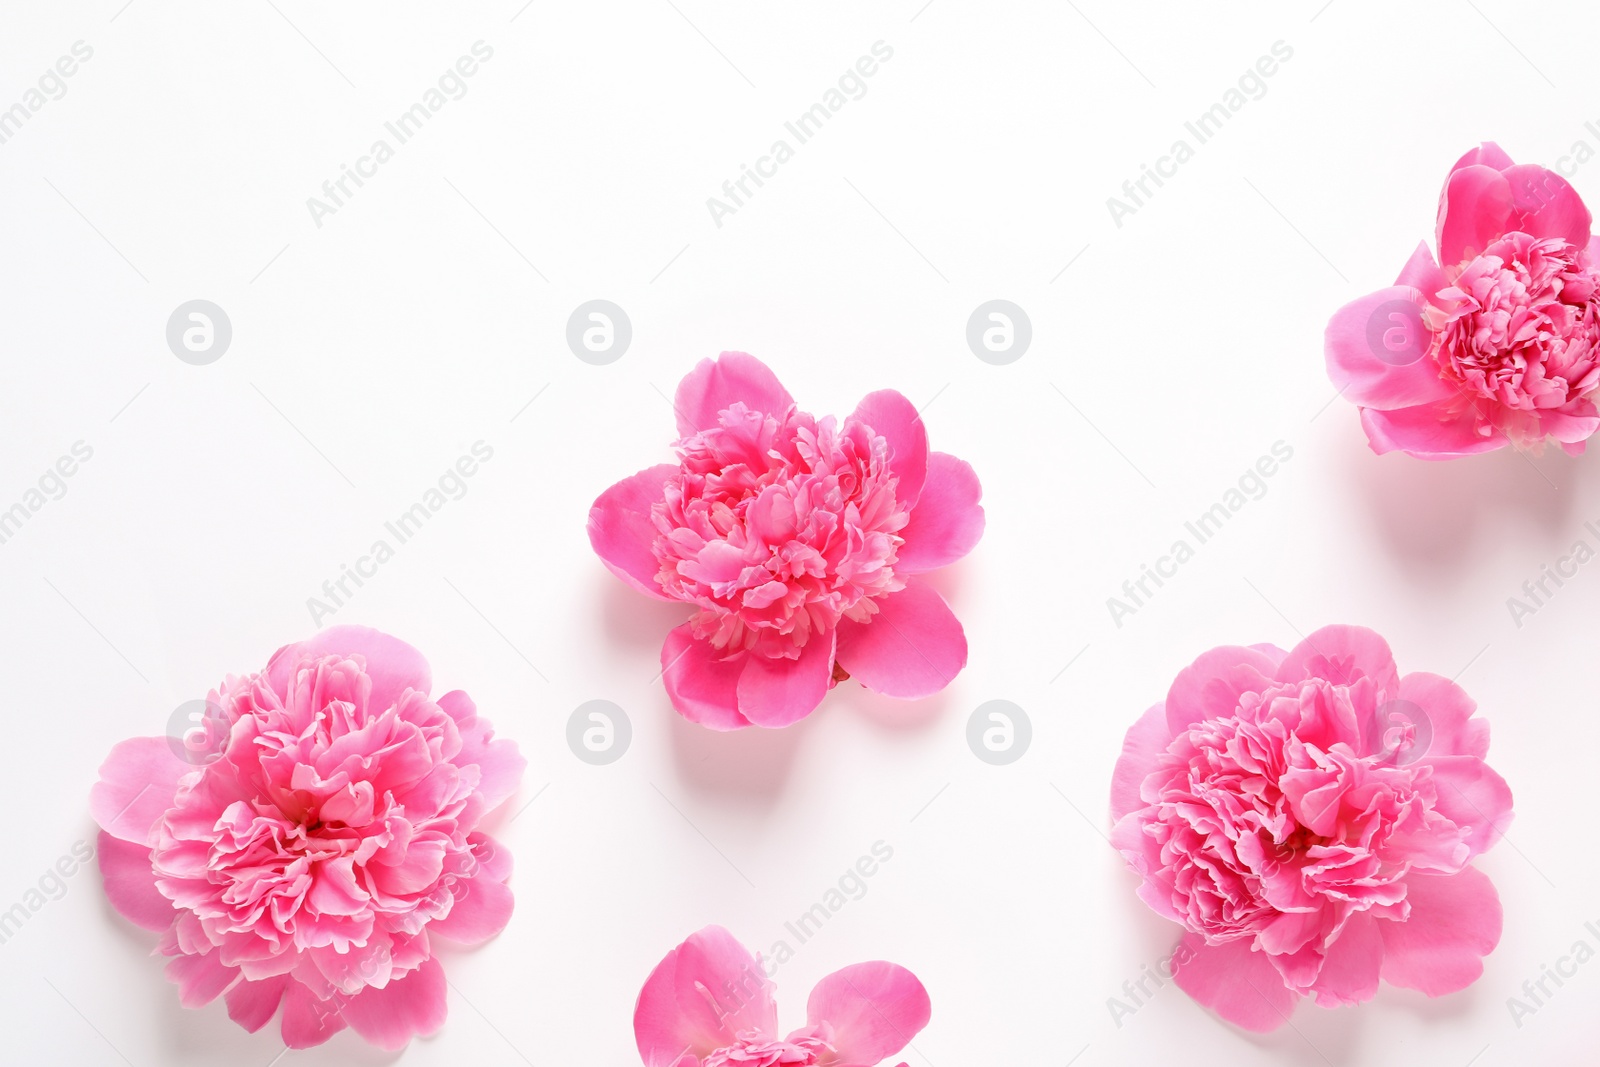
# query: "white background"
369,353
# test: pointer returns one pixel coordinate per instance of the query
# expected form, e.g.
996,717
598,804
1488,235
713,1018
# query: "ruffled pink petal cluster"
799,542
312,863
1310,818
709,1004
1499,341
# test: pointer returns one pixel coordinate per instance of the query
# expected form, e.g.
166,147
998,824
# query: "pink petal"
131,884
136,787
1238,984
482,909
393,665
777,692
1545,205
1487,154
499,762
621,532
703,993
308,1021
252,1004
714,385
1470,794
1574,424
200,979
1455,921
1209,688
1146,740
948,520
1422,273
413,1006
703,687
1376,349
1350,967
895,419
1428,431
873,1010
494,860
1342,654
1474,209
1452,731
913,647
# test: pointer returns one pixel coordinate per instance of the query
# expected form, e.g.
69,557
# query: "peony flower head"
1309,818
311,864
1498,342
709,1004
799,543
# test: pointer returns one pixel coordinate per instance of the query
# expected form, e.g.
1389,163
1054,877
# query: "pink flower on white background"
1310,818
1496,343
709,1004
800,542
313,862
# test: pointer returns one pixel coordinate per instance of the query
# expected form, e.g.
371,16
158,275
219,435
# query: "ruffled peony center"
755,1050
1519,328
777,526
1271,822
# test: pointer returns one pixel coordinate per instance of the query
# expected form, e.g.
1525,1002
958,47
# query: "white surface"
405,329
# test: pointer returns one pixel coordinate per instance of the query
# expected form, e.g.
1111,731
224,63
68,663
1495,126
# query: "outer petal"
1545,205
413,1006
131,884
675,1012
913,647
1487,154
1238,984
253,1004
777,692
1146,740
873,1010
716,384
498,759
393,665
1455,921
703,687
1422,273
895,418
1428,431
1470,794
948,520
307,1020
621,532
1342,654
1350,968
1377,347
1475,208
478,914
200,979
1452,731
1209,688
136,787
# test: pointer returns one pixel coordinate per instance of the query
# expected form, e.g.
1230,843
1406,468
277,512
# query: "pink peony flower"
1499,342
1309,818
312,862
799,542
709,1004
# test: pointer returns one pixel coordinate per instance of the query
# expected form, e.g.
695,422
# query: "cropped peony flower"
1499,341
314,861
709,1004
800,543
1310,818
